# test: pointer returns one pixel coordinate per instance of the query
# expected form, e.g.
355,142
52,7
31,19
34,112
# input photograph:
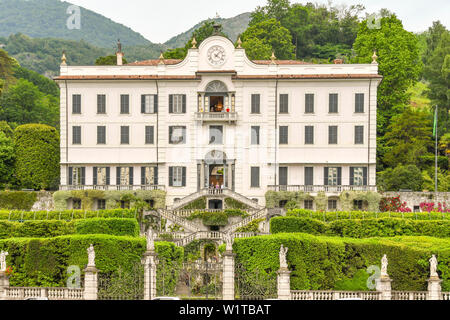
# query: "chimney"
338,61
119,53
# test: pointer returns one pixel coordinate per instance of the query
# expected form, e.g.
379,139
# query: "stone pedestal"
228,276
4,283
149,262
384,286
284,284
90,283
434,289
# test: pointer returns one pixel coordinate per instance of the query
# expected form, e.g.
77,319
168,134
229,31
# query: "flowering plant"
393,204
9,271
431,207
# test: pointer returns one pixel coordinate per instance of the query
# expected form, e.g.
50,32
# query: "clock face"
216,55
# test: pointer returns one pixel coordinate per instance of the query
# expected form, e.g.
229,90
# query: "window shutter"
184,103
365,176
70,176
118,176
309,176
155,97
325,176
143,176
108,176
155,173
170,134
352,176
171,176
339,179
170,103
142,103
83,176
131,177
94,176
184,135
184,177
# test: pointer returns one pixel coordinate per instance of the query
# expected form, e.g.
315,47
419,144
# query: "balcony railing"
330,189
112,187
216,116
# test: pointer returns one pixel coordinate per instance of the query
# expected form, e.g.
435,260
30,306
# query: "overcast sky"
159,20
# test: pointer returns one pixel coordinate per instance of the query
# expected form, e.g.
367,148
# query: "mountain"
48,19
232,27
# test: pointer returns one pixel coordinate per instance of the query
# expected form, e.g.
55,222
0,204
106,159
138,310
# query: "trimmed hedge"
319,262
44,262
17,200
66,215
219,218
338,215
54,228
367,228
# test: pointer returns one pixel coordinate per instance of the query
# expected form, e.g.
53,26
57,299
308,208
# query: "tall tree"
6,160
6,69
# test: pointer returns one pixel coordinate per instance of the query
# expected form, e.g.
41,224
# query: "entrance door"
215,204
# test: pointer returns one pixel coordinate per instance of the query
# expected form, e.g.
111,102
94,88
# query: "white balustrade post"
384,286
4,284
284,277
150,264
228,275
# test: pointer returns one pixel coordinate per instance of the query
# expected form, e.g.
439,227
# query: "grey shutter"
70,176
309,176
94,176
170,103
155,174
184,135
108,176
359,103
83,176
184,177
142,103
365,176
131,176
155,97
170,134
352,176
118,176
255,103
171,176
283,176
143,176
339,178
333,103
325,176
309,103
184,103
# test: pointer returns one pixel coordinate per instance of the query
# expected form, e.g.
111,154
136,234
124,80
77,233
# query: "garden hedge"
44,262
367,228
219,218
319,262
17,200
54,228
66,214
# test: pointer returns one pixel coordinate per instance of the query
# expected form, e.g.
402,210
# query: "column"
383,285
284,284
90,283
149,262
434,289
4,283
228,275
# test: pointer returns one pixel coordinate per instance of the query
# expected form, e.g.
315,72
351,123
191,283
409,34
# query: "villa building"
217,122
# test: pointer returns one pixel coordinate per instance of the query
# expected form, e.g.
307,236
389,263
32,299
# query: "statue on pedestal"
229,241
91,256
150,240
433,267
384,265
283,261
3,255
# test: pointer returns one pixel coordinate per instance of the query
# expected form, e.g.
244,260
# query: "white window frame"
177,103
177,176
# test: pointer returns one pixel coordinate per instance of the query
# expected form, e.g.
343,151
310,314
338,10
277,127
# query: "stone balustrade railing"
409,295
335,295
446,296
179,220
20,293
257,215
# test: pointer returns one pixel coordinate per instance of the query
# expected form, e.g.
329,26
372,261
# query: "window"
309,103
125,176
77,176
177,135
254,177
309,176
359,135
101,176
358,176
284,103
149,135
124,135
76,204
76,104
177,103
358,204
332,176
149,176
124,204
308,204
255,135
284,135
283,176
177,176
124,104
101,104
359,103
149,103
309,135
76,135
332,205
333,106
216,135
101,204
256,101
332,135
101,135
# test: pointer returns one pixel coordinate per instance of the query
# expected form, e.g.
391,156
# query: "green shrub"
219,218
234,204
198,204
37,156
66,215
111,226
17,200
294,224
319,262
253,226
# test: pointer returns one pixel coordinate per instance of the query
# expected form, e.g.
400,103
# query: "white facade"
271,80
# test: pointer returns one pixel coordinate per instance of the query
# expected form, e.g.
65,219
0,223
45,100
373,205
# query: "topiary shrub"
112,226
37,156
17,200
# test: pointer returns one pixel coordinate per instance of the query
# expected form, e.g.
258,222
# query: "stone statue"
433,267
91,256
3,255
229,241
283,253
150,240
384,265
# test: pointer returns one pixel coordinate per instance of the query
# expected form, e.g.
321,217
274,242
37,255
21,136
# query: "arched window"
216,86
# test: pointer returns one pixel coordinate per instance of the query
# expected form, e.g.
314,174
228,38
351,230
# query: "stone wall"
414,199
44,201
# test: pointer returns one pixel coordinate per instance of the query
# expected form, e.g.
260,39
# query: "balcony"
229,117
327,189
112,187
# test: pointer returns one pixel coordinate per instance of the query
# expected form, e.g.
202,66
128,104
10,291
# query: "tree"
6,69
429,180
401,178
6,160
6,129
37,156
256,49
275,9
269,33
408,138
108,61
44,84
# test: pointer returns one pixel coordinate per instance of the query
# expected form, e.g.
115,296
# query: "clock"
216,55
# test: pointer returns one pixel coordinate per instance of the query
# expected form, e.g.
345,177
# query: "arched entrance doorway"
216,170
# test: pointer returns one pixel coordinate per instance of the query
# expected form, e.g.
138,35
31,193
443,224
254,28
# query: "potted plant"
228,109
